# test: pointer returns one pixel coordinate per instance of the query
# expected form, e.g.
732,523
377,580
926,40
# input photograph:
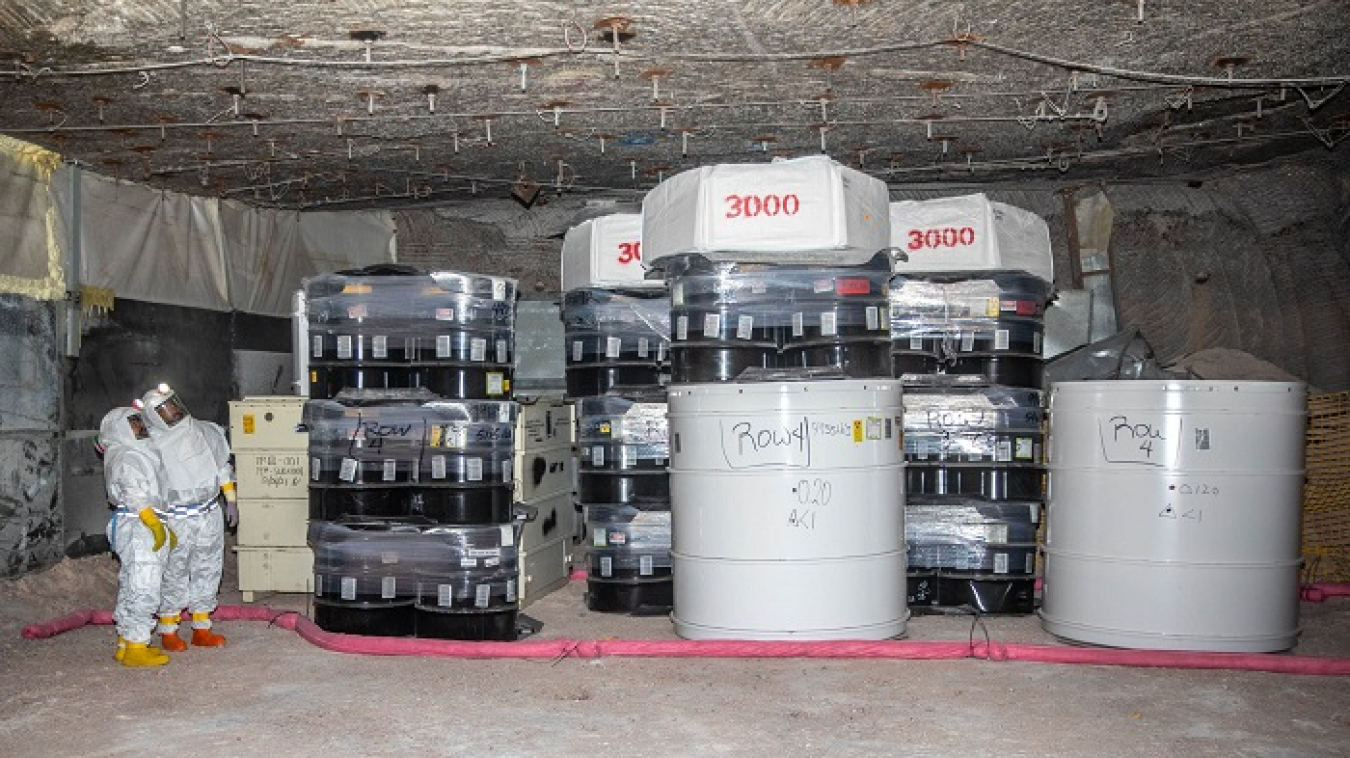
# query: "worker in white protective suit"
132,474
197,471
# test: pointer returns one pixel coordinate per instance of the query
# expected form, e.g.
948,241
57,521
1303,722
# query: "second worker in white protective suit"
197,470
132,472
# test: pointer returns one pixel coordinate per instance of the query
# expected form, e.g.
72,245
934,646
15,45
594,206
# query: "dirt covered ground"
269,692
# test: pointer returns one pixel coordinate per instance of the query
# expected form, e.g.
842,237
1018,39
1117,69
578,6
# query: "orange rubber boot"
172,642
205,637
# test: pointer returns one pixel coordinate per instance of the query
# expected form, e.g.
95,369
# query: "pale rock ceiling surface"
356,103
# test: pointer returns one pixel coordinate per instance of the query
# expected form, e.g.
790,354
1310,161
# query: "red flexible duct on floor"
1318,593
841,649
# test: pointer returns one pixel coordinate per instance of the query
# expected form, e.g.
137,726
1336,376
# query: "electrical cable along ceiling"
355,104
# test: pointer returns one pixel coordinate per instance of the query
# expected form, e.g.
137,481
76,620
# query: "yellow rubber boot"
205,637
141,655
170,640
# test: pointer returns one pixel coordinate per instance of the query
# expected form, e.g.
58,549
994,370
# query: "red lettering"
751,206
630,251
947,236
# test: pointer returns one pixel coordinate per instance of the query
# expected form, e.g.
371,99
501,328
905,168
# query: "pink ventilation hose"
842,649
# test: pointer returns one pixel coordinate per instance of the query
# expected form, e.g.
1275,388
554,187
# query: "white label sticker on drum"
873,318
996,533
677,294
798,324
598,537
1036,343
357,311
915,342
626,456
498,289
344,346
510,590
744,326
643,347
508,535
606,566
712,325
445,595
822,285
827,324
1031,563
508,471
468,563
348,471
645,565
495,383
475,469
1035,513
442,346
577,347
1000,339
1000,563
661,350
348,588
682,328
317,346
389,587
438,467
503,354
379,347
318,585
315,468
1003,450
597,456
445,314
967,342
477,349
612,347
482,593
390,470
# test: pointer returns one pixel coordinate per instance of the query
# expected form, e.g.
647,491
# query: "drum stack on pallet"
967,325
411,448
616,335
786,471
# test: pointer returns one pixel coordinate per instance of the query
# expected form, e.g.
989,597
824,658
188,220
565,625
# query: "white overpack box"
543,424
546,547
606,253
810,210
969,233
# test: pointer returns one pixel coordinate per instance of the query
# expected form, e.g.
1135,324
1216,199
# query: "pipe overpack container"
787,503
1173,514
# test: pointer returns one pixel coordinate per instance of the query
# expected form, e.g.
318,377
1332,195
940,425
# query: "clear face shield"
138,428
171,411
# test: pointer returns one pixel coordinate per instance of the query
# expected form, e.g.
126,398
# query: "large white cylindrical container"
787,510
1173,518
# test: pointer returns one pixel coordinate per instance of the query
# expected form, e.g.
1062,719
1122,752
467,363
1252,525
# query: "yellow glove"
151,520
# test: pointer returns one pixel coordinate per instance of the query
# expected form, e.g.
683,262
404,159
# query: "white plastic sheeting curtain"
30,256
269,253
166,247
147,244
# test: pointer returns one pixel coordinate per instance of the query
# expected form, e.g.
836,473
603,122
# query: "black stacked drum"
967,347
615,339
411,447
727,318
624,490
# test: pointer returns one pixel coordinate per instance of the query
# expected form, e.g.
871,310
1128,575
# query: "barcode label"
442,346
379,346
344,346
478,349
827,324
612,347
